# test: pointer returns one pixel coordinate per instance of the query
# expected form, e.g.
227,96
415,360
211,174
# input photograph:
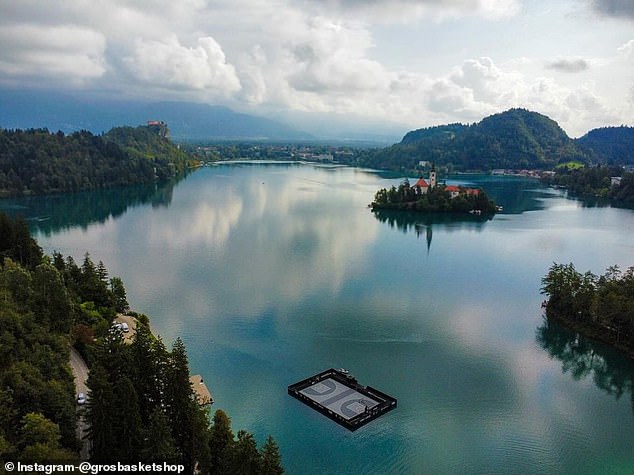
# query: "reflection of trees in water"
581,357
423,224
52,213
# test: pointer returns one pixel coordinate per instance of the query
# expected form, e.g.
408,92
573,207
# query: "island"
433,197
598,307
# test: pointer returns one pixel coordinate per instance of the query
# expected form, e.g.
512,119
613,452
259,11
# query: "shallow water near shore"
273,272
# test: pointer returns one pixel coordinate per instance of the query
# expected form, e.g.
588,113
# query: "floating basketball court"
337,394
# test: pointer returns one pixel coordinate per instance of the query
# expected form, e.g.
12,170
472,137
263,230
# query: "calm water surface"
271,273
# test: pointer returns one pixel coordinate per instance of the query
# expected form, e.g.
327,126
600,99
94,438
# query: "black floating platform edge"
386,402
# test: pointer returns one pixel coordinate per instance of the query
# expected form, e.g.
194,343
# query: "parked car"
125,328
81,399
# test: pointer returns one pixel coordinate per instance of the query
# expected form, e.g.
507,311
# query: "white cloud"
627,50
168,63
64,52
333,58
321,56
480,87
254,87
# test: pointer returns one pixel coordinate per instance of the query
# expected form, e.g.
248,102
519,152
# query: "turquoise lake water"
271,273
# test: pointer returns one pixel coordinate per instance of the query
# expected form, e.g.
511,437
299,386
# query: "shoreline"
593,332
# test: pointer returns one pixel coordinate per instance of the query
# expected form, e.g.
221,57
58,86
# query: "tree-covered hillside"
514,139
37,410
431,134
36,161
611,145
140,405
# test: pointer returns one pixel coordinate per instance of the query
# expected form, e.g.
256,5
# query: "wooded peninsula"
599,307
140,405
36,162
604,183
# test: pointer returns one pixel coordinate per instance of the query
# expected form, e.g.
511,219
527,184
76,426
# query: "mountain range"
187,121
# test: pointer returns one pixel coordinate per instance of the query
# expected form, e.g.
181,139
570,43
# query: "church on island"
453,190
433,197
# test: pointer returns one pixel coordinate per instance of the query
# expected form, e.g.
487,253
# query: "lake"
273,272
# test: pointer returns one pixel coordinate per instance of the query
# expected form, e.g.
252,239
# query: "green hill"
434,134
521,139
515,139
611,145
36,161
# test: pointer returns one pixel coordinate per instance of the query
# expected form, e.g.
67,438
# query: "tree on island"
598,306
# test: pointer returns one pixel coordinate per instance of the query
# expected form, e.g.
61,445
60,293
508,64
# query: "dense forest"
596,182
614,145
140,405
601,307
516,139
436,200
36,161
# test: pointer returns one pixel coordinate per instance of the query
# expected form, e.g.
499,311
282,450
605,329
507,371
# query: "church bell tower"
432,177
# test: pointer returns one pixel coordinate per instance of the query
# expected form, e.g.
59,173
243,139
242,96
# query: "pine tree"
179,403
158,442
119,295
100,415
128,422
102,272
145,371
220,443
270,459
92,287
244,458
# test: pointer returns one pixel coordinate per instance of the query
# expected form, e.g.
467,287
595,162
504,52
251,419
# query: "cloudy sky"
411,62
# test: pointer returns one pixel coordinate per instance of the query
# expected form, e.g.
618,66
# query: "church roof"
421,183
